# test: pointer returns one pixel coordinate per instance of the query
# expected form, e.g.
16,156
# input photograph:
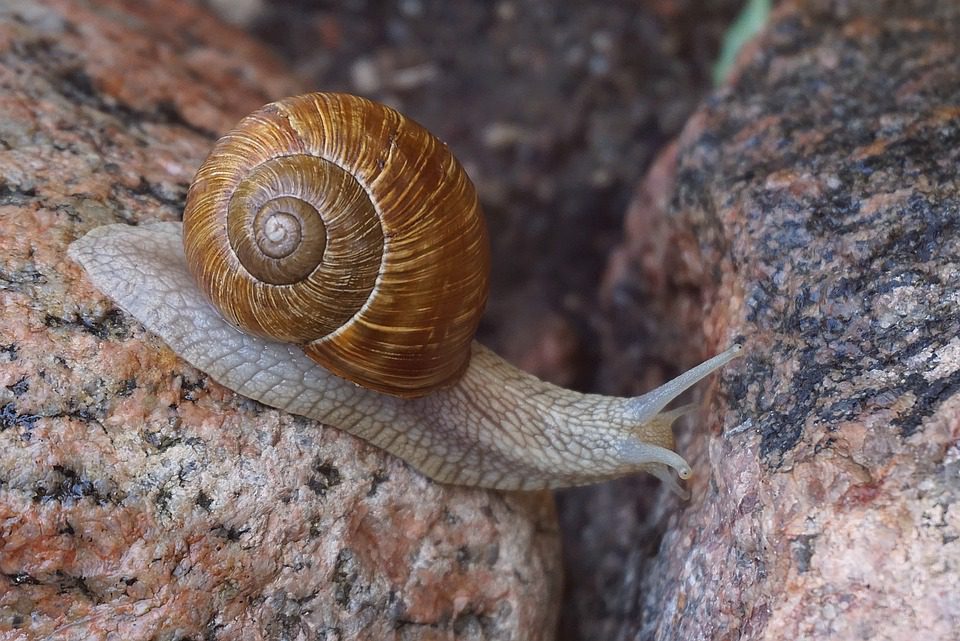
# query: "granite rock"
822,187
138,498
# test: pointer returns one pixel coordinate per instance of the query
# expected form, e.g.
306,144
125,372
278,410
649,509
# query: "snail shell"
304,225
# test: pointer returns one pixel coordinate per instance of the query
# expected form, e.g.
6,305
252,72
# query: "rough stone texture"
823,184
141,499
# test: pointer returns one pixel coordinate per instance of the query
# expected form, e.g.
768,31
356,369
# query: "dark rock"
822,188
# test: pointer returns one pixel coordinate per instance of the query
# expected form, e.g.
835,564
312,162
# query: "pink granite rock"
139,499
823,184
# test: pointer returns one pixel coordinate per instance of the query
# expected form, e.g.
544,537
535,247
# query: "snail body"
345,253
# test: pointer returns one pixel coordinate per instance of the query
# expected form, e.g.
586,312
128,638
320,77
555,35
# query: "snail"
332,262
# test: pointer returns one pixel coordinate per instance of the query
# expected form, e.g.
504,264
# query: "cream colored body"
498,427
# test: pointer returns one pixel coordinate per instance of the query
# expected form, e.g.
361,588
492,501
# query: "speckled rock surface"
140,500
824,184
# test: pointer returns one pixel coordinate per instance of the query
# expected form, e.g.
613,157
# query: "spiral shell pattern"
338,224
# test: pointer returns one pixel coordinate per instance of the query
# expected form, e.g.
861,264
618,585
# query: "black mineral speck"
20,387
325,476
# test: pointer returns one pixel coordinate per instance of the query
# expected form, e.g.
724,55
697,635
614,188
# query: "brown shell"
339,224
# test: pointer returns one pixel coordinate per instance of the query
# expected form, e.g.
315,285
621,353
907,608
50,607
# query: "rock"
822,184
139,499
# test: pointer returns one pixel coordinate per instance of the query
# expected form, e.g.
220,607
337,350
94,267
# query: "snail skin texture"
360,346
